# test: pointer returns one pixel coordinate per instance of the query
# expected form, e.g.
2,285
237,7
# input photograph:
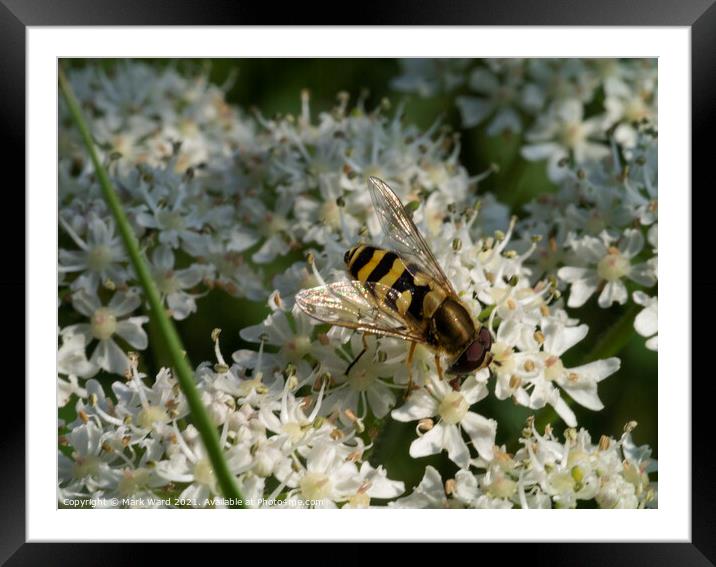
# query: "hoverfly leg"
357,358
440,368
409,362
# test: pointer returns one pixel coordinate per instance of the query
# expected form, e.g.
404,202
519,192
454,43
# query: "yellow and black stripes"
398,288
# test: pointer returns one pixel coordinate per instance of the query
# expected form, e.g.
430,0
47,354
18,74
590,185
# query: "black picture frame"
17,15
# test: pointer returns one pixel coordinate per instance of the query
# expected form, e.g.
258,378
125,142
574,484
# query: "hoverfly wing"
352,304
403,233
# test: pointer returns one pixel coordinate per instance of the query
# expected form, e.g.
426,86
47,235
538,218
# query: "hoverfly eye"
475,352
471,358
485,338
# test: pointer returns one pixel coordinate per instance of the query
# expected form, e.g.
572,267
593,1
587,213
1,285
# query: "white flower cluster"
567,108
546,473
602,227
216,197
139,448
595,122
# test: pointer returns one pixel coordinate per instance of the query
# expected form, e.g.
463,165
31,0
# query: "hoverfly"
401,293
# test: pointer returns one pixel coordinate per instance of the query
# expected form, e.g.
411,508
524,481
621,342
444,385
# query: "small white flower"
274,231
438,399
106,322
226,269
172,283
365,386
564,133
327,216
150,408
542,371
292,427
607,266
171,213
101,256
374,484
190,464
293,279
89,466
292,334
502,92
327,478
629,106
563,79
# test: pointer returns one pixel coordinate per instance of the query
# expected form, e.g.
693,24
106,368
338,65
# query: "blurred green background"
274,86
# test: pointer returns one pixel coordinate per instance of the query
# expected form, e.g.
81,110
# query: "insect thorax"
451,326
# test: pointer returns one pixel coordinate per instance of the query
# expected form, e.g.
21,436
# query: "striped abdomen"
419,299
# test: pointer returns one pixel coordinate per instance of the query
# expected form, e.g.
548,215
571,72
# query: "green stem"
614,339
610,343
184,372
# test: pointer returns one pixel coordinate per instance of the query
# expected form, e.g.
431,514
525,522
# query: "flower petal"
163,258
536,152
131,331
241,239
430,443
631,243
599,369
380,399
124,303
190,276
646,322
456,447
481,431
181,305
473,110
419,405
86,303
571,274
584,392
432,485
564,411
110,357
505,120
582,290
643,274
558,338
474,388
613,292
